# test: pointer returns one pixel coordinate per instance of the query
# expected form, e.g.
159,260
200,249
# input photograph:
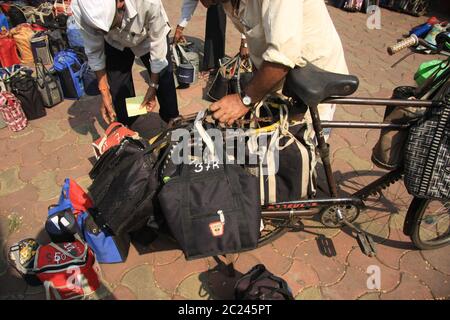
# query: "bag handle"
176,56
206,138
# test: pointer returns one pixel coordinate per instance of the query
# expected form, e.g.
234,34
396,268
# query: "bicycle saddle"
313,85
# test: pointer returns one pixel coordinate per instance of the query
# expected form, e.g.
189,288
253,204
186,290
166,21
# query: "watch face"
247,100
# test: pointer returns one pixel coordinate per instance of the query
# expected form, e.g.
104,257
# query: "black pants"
216,23
120,79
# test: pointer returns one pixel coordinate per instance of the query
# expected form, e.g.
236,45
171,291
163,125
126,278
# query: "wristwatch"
153,85
247,100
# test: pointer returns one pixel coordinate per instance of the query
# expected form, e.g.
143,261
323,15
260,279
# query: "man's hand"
178,36
243,51
229,109
149,100
107,108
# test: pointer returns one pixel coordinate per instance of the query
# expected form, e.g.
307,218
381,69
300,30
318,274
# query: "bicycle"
316,86
311,86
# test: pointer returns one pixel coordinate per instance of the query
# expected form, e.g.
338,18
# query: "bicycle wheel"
274,228
431,223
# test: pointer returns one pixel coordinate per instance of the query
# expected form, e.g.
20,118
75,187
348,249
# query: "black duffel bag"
125,181
261,284
212,209
25,88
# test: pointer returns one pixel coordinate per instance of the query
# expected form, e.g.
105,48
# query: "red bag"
8,51
62,7
67,270
11,110
114,135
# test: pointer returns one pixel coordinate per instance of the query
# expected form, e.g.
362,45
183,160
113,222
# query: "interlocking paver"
438,282
194,287
329,269
178,270
410,288
141,282
10,182
439,258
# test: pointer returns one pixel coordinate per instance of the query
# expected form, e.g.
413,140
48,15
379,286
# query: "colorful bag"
276,149
62,7
211,208
74,215
90,81
25,88
3,22
74,34
12,113
67,270
23,34
353,5
16,16
48,86
41,48
70,72
114,135
8,51
61,224
108,248
21,256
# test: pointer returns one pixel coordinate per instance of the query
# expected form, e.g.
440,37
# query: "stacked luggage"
43,36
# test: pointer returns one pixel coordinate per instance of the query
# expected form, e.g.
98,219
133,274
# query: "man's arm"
187,11
230,108
158,30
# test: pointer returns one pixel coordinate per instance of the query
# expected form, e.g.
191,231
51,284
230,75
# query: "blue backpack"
3,22
74,215
74,34
70,69
107,247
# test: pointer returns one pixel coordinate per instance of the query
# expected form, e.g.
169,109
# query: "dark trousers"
118,67
216,24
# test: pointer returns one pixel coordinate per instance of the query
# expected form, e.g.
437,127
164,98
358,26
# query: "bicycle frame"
310,207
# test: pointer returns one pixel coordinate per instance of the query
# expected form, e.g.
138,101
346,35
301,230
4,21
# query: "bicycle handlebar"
411,41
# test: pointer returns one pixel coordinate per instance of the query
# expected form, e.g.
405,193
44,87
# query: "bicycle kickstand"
365,241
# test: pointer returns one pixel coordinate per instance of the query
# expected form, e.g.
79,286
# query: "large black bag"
261,284
25,89
16,16
125,181
212,209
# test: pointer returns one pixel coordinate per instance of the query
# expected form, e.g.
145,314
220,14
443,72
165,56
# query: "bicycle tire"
418,208
281,227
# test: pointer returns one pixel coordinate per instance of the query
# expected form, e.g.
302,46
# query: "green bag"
430,68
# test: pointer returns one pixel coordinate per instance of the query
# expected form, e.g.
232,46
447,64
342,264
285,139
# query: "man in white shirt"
281,35
117,31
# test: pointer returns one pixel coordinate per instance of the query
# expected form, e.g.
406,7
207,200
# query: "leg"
216,22
166,94
118,66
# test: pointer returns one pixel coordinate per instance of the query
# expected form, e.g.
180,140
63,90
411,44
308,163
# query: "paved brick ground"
34,163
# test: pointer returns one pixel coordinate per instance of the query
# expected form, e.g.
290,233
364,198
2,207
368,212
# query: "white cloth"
187,11
144,29
291,32
98,13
